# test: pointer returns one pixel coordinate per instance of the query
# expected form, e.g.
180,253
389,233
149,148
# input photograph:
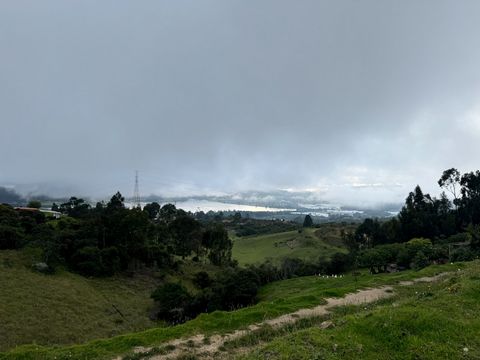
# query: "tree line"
448,229
109,237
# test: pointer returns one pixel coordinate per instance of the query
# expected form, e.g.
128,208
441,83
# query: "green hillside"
309,244
66,308
275,299
438,320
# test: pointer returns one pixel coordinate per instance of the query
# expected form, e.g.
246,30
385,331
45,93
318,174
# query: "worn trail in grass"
275,299
206,347
438,320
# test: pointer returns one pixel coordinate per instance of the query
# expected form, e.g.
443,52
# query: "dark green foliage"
240,288
167,213
34,204
109,238
116,203
152,209
474,235
463,254
463,237
248,227
405,255
12,234
88,261
469,203
10,237
187,235
202,280
173,301
426,216
308,221
219,245
339,263
231,289
418,216
420,261
237,217
267,272
75,207
290,267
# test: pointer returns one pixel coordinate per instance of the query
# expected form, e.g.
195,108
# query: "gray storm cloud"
358,101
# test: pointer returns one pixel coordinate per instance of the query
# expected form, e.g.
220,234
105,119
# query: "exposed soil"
206,347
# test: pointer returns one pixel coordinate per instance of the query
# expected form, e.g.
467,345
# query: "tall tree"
308,221
450,180
219,245
152,210
116,202
469,203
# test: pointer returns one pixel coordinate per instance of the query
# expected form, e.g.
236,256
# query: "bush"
339,263
403,258
419,244
88,261
458,238
420,261
439,253
236,288
172,301
202,280
463,254
10,237
266,272
34,204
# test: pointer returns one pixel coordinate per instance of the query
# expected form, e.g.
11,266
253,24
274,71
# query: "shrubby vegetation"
426,230
235,287
244,226
107,238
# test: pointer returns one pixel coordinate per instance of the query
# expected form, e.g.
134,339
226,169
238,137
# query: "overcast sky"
357,100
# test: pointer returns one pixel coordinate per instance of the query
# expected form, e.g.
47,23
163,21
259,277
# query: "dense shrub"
202,280
249,227
463,237
463,254
236,288
339,263
172,302
88,261
10,237
405,255
231,289
420,261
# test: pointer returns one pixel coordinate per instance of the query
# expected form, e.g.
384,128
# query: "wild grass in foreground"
424,321
275,299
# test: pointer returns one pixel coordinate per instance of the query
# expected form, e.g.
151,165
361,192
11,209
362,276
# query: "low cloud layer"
357,101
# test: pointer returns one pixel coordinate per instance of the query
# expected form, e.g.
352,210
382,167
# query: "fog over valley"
232,179
341,102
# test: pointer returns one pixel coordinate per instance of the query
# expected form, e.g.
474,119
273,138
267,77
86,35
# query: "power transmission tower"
136,192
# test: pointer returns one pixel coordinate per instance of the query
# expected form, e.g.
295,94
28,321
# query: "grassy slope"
67,308
308,245
276,299
425,321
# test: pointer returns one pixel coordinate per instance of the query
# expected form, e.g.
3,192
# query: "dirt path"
208,346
